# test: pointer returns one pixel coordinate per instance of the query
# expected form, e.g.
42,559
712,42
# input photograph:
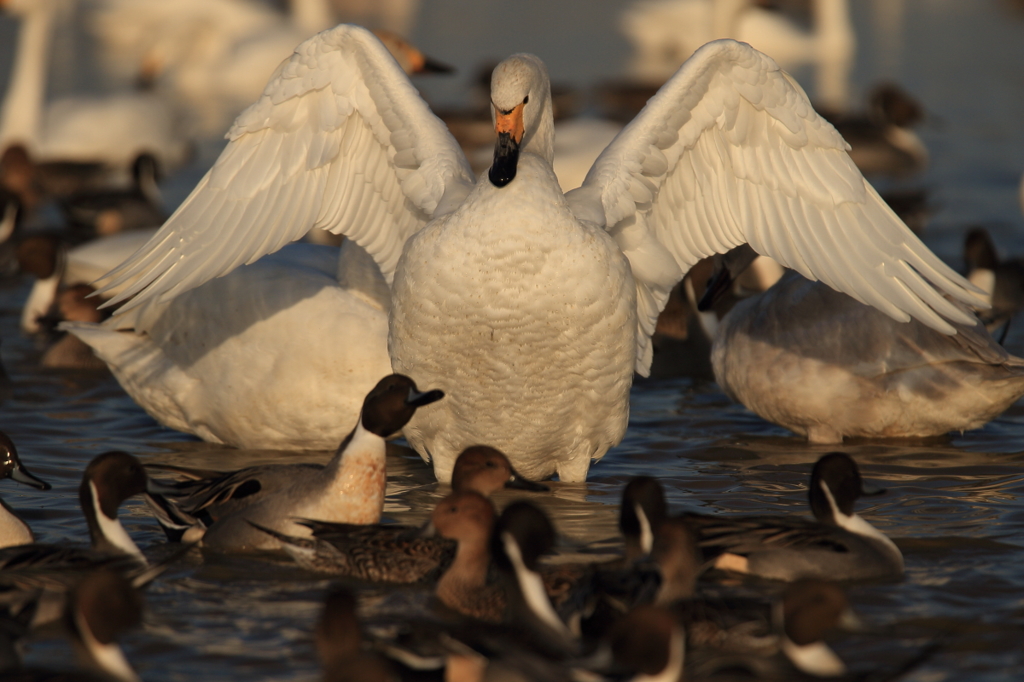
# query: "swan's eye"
526,99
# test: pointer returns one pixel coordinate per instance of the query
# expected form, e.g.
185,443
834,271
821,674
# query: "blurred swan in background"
488,274
214,55
113,129
664,33
217,55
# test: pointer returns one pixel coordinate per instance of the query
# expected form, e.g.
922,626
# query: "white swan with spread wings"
528,307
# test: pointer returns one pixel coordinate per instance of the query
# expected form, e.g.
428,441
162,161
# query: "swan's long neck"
311,16
725,15
23,105
836,44
541,140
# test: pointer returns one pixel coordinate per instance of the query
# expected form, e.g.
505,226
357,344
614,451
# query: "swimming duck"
532,308
108,480
768,638
649,642
837,545
727,625
107,212
516,599
882,140
395,553
102,606
349,488
58,267
790,357
468,518
1002,280
14,531
338,639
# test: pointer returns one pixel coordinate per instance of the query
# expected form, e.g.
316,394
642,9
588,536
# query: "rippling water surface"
955,506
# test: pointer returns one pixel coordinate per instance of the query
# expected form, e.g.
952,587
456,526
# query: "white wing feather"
339,140
731,151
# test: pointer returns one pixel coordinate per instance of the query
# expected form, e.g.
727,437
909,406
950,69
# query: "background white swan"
664,33
114,129
811,359
214,55
532,308
280,354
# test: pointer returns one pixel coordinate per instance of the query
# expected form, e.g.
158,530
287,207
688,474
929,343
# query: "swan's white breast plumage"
513,307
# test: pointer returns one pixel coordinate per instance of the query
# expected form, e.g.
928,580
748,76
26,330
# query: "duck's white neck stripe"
857,525
815,658
363,443
108,657
532,586
985,279
112,529
8,221
674,669
13,530
646,535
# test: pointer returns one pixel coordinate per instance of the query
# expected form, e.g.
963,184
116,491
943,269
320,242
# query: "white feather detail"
740,156
340,140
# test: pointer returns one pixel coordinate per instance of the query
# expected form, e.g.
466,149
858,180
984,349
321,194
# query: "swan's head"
521,105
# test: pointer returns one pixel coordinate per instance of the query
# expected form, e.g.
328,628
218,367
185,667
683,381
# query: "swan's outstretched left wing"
731,151
339,140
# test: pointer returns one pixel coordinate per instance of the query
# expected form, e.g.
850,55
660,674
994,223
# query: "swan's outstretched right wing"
339,140
729,152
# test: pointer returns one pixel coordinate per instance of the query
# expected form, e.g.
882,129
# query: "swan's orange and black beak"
509,127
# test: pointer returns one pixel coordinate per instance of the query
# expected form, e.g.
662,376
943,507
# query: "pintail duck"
349,488
837,545
882,140
338,639
514,544
14,531
468,518
116,210
395,553
487,273
739,629
1002,280
768,639
108,480
101,607
650,643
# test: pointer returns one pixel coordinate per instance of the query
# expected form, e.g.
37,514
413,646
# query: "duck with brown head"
394,553
349,488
